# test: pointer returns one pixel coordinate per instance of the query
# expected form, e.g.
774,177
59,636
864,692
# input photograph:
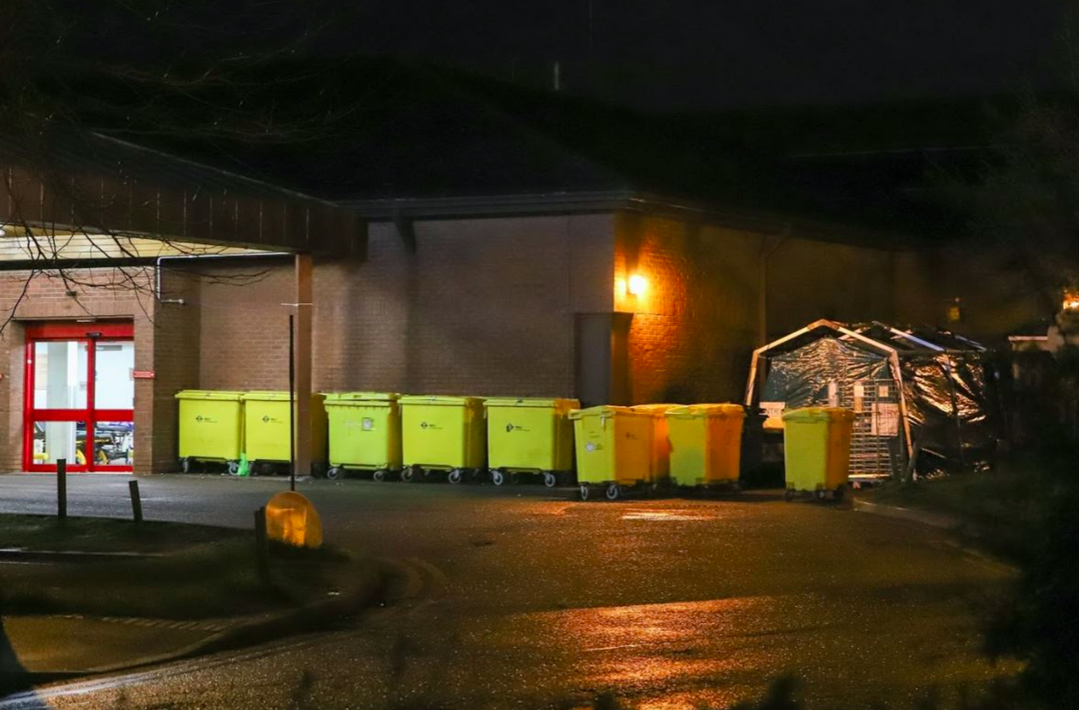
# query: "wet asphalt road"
520,598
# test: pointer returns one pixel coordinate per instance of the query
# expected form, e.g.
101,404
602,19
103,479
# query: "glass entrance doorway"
80,396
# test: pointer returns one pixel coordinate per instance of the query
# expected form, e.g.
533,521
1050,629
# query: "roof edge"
585,202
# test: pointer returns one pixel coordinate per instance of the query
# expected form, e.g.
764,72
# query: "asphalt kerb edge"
934,520
312,617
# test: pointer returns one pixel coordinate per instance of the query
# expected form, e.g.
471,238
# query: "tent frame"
847,333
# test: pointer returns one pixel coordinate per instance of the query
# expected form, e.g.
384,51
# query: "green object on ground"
365,430
442,432
530,434
211,425
816,448
614,445
244,469
268,430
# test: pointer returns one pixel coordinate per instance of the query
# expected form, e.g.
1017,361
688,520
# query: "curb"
12,554
934,520
311,617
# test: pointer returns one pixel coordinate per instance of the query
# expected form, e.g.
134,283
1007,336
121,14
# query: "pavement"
521,597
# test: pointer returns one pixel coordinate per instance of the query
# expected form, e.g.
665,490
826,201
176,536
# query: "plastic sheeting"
949,406
951,412
801,378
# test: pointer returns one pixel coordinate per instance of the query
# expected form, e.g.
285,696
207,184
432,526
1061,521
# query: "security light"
636,285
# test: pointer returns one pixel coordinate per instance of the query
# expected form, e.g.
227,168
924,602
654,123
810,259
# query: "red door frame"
89,333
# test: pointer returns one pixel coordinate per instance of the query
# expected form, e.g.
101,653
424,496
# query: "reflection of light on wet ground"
664,515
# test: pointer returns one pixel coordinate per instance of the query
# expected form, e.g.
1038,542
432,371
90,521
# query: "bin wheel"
234,467
840,492
407,474
614,491
497,477
335,472
378,476
821,493
788,495
549,479
185,465
455,476
584,492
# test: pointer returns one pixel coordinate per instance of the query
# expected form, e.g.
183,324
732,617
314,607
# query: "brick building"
498,258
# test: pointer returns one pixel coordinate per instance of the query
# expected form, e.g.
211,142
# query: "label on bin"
590,447
368,424
208,420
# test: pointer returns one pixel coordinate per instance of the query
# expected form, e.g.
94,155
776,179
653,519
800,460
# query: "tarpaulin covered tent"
922,399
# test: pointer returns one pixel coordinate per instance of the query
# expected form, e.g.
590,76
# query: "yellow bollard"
293,520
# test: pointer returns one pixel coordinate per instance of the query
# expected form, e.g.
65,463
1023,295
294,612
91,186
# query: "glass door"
80,397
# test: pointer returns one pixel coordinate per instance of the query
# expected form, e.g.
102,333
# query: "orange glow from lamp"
1071,300
636,285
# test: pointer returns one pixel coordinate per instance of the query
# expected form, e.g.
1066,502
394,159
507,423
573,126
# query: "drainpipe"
200,257
769,245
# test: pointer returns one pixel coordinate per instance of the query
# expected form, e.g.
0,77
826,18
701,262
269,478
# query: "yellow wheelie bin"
365,433
442,433
706,444
816,449
530,436
268,431
660,460
614,449
211,428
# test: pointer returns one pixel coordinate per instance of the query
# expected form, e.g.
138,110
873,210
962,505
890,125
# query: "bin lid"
267,397
700,411
562,405
440,399
210,394
818,414
656,410
607,410
342,397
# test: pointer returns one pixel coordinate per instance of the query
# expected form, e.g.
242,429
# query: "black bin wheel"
614,491
584,491
379,475
334,472
550,479
455,476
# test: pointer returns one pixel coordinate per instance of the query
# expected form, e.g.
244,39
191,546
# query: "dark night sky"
694,54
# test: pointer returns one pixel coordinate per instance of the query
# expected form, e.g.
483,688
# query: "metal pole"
61,489
136,500
262,552
292,404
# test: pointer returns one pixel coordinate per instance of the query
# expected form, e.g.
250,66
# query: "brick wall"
99,293
996,299
482,307
694,328
695,323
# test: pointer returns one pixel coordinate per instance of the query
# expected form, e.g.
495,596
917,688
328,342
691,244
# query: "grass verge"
1003,509
201,573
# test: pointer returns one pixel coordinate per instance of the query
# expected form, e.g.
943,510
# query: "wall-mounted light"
636,285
